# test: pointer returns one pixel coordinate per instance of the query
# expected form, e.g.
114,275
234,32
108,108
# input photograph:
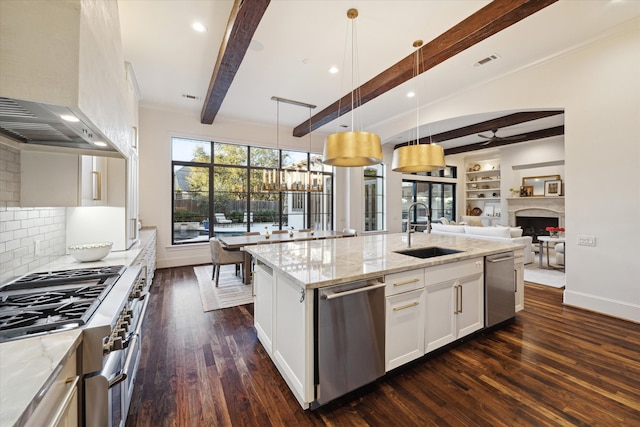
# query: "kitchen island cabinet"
290,274
38,378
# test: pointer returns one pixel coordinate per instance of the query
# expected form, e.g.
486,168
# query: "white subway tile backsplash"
19,227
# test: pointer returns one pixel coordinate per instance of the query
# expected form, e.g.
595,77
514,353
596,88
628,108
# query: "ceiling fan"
494,138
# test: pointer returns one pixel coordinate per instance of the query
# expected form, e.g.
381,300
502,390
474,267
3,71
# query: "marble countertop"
27,365
317,263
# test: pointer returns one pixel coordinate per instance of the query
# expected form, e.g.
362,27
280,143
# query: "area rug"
543,276
229,293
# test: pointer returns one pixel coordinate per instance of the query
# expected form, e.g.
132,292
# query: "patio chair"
221,256
244,219
221,219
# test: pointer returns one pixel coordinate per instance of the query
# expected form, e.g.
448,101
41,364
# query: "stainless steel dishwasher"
499,288
349,333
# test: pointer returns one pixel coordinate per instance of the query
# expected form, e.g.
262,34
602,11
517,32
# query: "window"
374,198
218,188
438,196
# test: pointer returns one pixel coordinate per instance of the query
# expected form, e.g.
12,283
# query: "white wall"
598,87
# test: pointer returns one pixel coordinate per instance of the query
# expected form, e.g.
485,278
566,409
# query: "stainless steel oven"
108,303
108,391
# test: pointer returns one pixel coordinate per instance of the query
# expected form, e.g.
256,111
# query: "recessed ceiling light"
333,70
199,27
411,94
99,143
69,118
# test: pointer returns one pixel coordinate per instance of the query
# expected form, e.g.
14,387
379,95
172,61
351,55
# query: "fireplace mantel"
551,207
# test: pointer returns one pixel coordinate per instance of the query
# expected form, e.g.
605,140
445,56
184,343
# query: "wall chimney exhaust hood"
43,124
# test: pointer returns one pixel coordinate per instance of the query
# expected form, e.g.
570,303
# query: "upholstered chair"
221,256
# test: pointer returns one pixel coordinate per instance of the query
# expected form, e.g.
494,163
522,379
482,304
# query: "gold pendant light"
352,149
418,157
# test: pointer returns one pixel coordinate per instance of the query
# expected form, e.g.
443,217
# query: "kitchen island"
428,303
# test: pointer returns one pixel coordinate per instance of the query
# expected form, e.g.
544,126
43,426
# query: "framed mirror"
537,182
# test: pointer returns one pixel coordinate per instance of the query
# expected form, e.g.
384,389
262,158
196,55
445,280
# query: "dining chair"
221,256
305,230
279,231
251,233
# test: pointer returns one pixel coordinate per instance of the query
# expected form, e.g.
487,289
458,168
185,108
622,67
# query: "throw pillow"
444,220
488,231
513,231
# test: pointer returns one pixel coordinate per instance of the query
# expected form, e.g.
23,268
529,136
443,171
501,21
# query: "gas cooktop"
42,302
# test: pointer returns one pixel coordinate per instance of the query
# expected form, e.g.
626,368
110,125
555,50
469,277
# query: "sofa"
497,233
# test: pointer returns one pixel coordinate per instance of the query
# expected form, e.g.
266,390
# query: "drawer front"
442,273
404,281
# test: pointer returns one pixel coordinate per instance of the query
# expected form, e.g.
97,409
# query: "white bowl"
90,251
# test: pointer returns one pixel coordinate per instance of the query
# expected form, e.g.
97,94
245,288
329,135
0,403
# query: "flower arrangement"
554,231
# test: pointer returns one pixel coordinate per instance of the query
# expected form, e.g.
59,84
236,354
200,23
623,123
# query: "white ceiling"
297,41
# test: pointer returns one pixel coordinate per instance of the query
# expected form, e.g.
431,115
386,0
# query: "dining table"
238,242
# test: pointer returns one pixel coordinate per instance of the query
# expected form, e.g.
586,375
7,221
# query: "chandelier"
418,157
355,148
296,177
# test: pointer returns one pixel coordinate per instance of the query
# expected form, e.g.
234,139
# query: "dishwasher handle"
332,295
507,258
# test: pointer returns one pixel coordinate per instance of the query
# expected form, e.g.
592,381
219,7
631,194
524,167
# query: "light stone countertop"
318,263
26,367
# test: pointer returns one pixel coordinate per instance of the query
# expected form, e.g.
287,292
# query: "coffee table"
544,241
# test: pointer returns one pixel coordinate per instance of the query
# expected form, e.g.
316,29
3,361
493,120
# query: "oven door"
108,393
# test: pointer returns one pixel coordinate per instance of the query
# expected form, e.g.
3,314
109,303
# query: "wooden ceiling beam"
491,19
497,123
243,22
530,136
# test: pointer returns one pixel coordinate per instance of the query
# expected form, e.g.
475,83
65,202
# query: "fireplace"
535,225
535,214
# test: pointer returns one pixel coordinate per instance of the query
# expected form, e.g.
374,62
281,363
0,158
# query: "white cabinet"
292,343
454,302
263,306
404,327
59,406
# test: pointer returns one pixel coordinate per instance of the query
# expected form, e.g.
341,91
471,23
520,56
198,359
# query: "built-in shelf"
482,188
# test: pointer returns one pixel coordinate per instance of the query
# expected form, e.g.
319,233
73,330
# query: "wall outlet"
586,240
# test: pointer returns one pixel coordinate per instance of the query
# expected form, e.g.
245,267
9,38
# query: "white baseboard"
609,307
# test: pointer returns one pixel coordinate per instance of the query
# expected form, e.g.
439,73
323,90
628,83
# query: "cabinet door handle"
515,281
72,389
402,307
406,282
460,290
97,185
455,310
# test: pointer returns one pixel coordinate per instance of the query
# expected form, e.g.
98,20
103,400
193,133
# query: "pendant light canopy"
417,157
356,148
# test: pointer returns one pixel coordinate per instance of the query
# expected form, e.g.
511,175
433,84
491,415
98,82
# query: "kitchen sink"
430,252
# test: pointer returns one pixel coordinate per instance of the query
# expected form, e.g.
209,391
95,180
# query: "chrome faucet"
409,230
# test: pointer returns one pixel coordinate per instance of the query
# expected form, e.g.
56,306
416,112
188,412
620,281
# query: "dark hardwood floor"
554,365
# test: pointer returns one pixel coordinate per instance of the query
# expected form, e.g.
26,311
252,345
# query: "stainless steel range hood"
34,123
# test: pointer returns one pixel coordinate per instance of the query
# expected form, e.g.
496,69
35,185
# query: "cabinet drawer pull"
402,307
406,282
